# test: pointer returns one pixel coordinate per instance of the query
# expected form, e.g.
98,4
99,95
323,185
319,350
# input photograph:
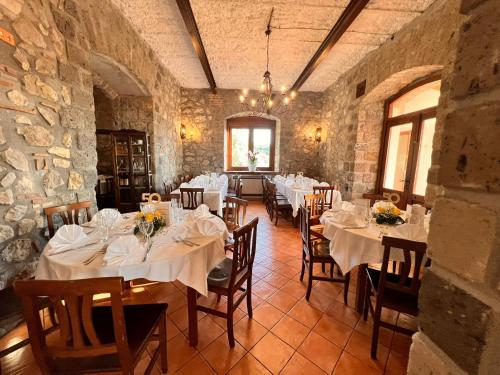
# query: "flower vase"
252,167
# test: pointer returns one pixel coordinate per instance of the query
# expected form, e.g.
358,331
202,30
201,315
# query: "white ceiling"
233,35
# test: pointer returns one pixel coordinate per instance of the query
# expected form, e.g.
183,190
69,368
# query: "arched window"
407,140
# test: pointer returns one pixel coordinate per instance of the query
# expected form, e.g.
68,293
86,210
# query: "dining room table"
215,190
296,188
186,251
358,246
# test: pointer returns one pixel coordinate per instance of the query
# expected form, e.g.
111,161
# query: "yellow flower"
380,209
149,217
140,214
395,211
158,214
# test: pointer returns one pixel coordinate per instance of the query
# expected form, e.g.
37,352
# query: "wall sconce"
183,132
317,135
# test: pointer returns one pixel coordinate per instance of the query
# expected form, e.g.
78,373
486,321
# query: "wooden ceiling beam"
192,27
345,20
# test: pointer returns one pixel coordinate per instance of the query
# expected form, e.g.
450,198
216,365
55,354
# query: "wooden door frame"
250,122
417,119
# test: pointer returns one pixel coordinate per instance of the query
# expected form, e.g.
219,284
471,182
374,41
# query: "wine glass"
146,229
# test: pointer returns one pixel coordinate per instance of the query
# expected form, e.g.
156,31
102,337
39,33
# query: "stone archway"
370,122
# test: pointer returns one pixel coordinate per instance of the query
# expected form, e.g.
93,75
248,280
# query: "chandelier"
267,101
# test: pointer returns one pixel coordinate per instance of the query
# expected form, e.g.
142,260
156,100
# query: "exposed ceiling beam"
345,20
192,27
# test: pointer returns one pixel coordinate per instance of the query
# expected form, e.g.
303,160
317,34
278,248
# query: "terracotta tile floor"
288,335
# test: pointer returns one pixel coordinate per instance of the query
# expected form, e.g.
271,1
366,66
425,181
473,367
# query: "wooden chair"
235,214
237,271
69,214
169,197
232,183
92,338
315,203
393,291
11,310
317,251
263,180
167,187
327,191
278,206
194,197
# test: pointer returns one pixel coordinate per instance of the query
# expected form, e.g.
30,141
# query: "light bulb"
270,103
293,94
283,89
242,98
245,92
253,102
262,87
286,100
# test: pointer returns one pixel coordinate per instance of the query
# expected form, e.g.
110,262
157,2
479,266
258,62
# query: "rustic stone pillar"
460,296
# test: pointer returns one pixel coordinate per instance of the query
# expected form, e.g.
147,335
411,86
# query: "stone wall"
460,296
204,116
47,133
423,46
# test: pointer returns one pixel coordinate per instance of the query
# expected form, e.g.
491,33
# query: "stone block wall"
47,119
204,116
354,125
460,296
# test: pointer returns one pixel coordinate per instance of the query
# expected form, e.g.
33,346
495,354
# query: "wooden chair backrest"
167,187
245,240
410,269
239,187
192,202
69,214
327,191
73,302
316,204
305,227
235,212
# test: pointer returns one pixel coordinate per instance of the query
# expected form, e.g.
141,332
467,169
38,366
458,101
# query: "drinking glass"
146,229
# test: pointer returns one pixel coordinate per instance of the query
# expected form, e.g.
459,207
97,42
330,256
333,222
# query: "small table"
167,261
357,248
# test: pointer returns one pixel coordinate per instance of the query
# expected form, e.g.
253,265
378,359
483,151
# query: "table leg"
361,287
192,317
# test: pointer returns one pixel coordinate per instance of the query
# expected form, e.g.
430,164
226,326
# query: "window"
254,134
407,145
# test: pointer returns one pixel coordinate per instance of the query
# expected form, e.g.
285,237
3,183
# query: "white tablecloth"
214,194
352,247
295,195
167,261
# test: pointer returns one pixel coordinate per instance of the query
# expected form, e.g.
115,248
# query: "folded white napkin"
184,185
68,237
324,184
413,232
348,219
202,227
384,204
124,250
342,206
202,211
111,217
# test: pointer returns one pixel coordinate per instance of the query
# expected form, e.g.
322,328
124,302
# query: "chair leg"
249,298
331,270
375,337
366,304
230,310
310,280
277,216
347,278
163,344
323,267
303,268
218,298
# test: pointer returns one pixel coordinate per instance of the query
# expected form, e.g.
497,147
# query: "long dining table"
215,190
352,247
295,192
169,259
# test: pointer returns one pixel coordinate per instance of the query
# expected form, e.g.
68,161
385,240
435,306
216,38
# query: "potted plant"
252,160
